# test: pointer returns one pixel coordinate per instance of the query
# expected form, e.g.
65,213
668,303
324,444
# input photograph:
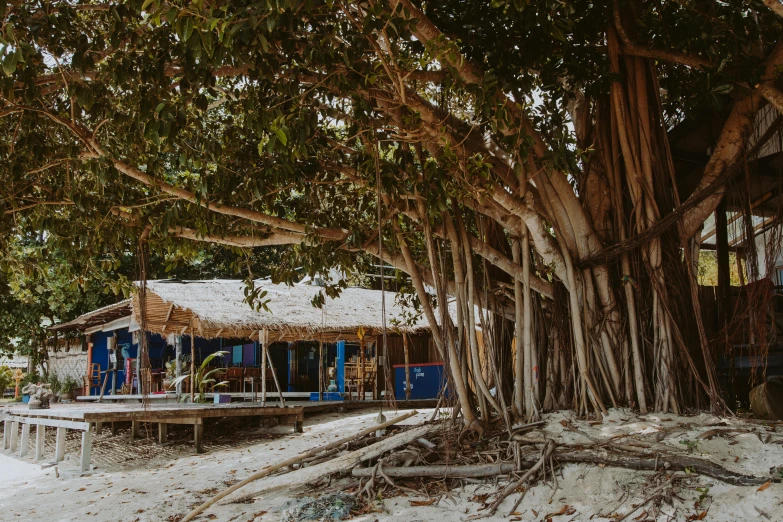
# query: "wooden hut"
287,342
345,333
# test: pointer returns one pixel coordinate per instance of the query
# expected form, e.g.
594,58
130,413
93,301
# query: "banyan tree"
511,157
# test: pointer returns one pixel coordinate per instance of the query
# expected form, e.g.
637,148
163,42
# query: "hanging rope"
386,370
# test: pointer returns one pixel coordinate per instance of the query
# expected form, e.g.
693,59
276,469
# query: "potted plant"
55,385
204,377
67,387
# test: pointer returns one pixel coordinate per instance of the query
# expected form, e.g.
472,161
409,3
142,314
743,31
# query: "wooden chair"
252,375
234,376
93,378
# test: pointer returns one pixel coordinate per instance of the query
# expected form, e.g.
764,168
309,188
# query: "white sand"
161,491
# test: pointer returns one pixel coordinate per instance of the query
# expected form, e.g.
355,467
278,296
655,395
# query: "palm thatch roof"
217,308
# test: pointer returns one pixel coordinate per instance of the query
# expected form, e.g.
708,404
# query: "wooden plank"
40,438
59,451
86,450
198,437
53,423
163,433
25,444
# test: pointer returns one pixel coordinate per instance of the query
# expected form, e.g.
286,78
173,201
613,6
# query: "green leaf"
187,29
9,64
281,135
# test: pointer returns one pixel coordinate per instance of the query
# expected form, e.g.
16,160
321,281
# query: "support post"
6,434
14,436
192,365
135,430
274,376
262,342
98,427
25,444
320,368
59,449
40,439
407,367
86,449
198,435
163,432
298,426
115,428
178,363
361,368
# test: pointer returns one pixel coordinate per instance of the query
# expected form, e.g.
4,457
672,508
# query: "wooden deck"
84,418
88,417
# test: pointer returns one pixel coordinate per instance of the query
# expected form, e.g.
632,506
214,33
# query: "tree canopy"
511,155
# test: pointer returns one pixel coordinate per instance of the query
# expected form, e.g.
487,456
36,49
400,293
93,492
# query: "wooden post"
274,376
321,368
192,365
178,361
40,438
361,369
86,449
263,366
14,436
163,432
6,434
89,366
407,367
198,435
103,386
135,430
98,427
25,444
59,449
115,428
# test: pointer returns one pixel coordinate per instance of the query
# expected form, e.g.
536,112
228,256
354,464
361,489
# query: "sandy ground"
165,487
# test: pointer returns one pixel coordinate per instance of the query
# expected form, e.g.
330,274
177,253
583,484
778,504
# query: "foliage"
69,384
6,378
55,384
204,377
30,378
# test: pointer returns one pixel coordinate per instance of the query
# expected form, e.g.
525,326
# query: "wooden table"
83,417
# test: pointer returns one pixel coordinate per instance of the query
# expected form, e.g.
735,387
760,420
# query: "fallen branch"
344,463
294,460
441,471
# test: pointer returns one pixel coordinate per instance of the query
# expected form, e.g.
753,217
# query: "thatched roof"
217,308
97,317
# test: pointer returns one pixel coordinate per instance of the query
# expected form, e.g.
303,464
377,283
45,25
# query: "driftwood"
295,460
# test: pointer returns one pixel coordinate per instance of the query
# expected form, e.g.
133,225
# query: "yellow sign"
360,333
